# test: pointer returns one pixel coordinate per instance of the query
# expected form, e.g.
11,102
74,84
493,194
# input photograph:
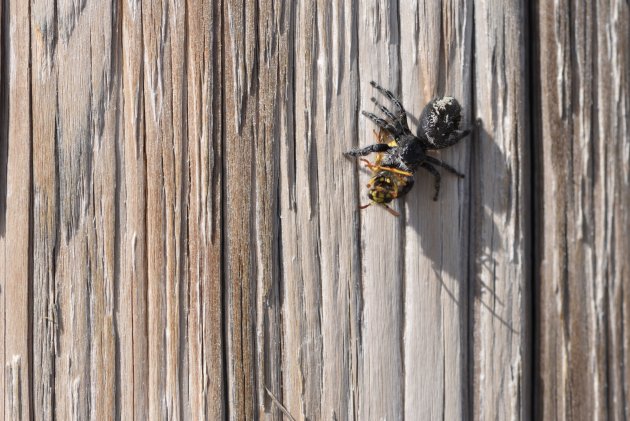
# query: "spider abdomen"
439,120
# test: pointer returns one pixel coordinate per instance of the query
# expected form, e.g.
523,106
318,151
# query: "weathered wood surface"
180,234
15,215
501,215
582,244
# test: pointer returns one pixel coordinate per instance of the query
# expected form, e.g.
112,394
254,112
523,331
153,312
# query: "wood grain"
180,233
501,216
436,56
15,216
206,364
240,131
273,84
318,210
581,124
132,243
380,370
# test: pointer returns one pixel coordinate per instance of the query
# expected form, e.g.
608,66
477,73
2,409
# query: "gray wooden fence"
180,234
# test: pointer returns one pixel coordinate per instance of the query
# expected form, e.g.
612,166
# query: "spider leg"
380,122
384,109
436,175
402,114
377,147
444,165
394,120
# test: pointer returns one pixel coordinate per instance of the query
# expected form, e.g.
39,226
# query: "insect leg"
377,167
444,165
436,175
390,210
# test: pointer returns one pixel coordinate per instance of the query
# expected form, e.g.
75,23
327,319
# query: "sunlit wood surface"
180,233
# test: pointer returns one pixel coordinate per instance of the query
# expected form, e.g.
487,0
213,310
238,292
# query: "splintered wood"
181,235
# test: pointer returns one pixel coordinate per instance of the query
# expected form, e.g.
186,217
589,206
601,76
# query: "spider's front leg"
400,110
377,147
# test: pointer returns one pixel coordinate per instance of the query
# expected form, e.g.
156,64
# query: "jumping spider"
399,158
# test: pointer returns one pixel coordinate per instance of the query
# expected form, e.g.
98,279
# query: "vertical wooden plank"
74,148
501,218
274,28
45,202
302,337
437,43
15,183
381,366
612,200
437,232
133,325
204,334
176,206
74,133
241,130
251,82
437,46
163,45
581,124
158,116
333,127
319,259
104,79
85,164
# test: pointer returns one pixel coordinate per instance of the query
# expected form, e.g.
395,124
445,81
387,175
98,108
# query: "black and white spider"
405,153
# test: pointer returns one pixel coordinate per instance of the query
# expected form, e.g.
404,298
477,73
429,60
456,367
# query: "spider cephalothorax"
399,158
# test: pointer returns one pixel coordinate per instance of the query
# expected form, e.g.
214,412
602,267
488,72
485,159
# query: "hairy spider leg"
436,174
444,165
377,147
380,122
381,137
399,107
395,121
